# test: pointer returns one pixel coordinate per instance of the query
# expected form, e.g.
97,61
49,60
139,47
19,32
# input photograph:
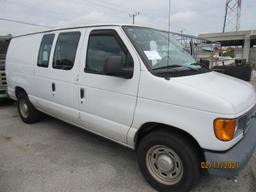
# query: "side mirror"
114,67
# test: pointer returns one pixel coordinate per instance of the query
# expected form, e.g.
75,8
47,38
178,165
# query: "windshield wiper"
175,66
200,64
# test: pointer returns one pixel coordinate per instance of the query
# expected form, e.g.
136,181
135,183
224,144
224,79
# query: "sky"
187,16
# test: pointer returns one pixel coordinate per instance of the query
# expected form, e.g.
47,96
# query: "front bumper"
240,153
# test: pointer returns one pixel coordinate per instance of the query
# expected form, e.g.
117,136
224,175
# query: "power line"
107,6
144,13
104,4
116,5
24,23
31,7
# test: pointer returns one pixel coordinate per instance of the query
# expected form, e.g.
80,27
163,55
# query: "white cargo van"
138,87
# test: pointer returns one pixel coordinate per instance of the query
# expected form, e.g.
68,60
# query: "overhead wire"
104,4
23,22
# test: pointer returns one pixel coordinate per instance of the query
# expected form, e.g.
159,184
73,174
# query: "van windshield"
160,58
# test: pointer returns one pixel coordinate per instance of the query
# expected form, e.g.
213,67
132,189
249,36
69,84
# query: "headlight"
225,129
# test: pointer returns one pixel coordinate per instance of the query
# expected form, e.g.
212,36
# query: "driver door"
107,103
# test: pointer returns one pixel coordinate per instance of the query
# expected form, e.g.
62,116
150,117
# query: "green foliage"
229,52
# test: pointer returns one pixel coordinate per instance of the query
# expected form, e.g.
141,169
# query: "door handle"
53,87
82,94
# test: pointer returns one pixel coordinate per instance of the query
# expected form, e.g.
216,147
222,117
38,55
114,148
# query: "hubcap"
164,165
23,108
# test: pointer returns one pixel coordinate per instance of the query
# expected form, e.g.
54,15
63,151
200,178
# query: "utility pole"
169,30
169,17
232,15
133,16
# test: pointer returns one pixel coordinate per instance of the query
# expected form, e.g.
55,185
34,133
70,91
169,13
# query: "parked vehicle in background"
138,87
4,43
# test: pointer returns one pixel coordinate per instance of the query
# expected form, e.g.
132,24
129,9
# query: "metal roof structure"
232,38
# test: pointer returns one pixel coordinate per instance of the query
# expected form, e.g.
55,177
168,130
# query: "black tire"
187,153
32,114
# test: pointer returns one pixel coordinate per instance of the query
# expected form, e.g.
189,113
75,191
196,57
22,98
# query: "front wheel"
168,162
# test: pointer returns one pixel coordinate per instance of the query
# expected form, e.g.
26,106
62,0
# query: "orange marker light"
225,129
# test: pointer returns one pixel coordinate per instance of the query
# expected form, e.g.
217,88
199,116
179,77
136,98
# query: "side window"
45,50
65,50
102,45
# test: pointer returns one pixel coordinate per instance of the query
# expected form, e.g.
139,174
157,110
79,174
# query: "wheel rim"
23,106
164,165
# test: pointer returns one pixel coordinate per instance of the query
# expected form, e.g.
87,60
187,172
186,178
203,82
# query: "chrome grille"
2,76
243,122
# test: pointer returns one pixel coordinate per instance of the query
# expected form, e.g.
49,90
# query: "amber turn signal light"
225,129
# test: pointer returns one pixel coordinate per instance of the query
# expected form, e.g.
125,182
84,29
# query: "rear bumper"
240,154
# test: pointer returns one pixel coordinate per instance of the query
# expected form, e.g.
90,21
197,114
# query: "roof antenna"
169,30
169,17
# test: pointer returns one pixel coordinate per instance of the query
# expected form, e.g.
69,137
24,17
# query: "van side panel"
21,62
62,100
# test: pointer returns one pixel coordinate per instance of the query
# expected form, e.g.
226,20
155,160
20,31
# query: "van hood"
240,94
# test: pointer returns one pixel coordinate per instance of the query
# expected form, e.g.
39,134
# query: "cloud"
191,16
185,17
88,19
184,20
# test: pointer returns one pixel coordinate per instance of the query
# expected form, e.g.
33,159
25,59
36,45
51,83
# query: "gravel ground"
52,156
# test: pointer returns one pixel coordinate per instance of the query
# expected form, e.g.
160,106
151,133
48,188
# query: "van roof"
111,25
77,27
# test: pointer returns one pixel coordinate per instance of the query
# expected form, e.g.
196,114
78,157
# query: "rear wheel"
28,113
168,162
